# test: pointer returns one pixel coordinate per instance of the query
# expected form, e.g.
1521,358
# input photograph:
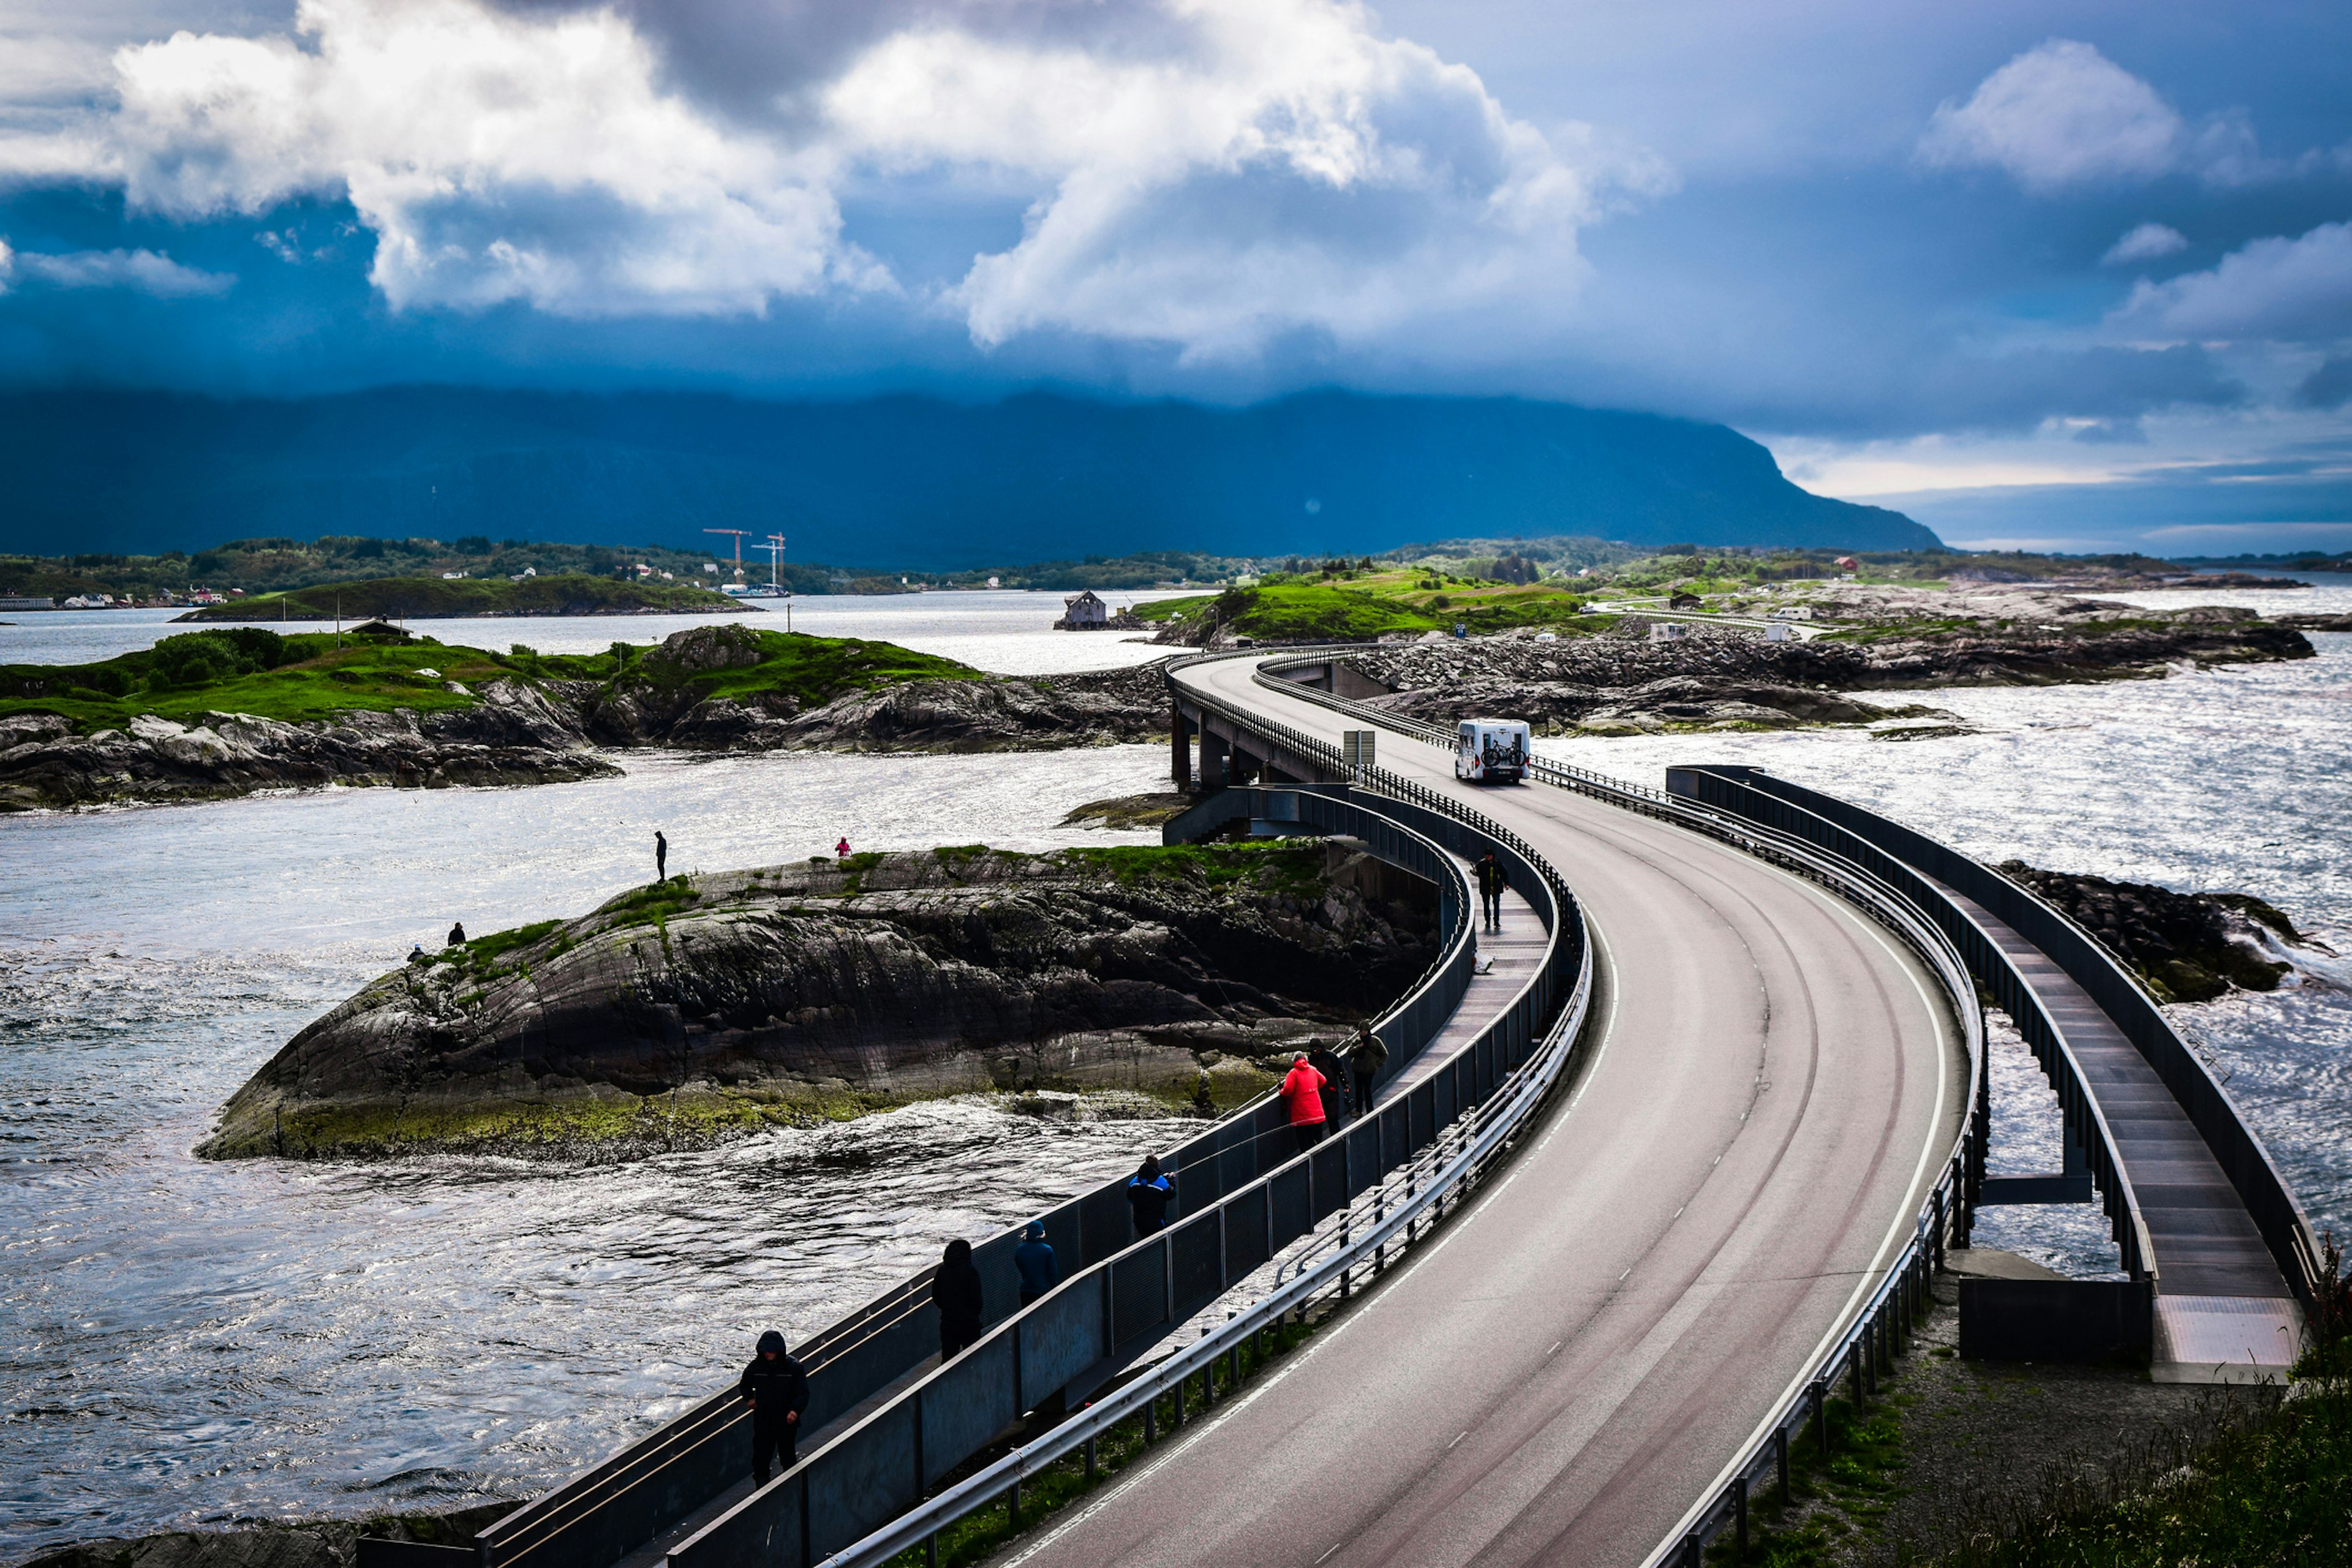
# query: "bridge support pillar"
1214,754
1179,750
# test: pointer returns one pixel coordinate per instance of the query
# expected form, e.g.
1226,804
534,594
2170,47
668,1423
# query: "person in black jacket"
955,1290
776,1388
1491,883
1326,1060
1148,1194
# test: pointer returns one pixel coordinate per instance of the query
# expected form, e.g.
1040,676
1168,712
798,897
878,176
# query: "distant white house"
1084,610
452,576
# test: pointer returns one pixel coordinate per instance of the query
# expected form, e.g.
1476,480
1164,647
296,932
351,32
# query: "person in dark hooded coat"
776,1388
1326,1060
955,1290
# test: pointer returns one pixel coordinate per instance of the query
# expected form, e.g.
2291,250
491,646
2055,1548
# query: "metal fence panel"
1196,1259
968,1404
867,1480
1139,1294
1245,1246
1060,1338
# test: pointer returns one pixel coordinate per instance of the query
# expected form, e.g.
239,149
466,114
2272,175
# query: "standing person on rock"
955,1290
1302,1090
661,857
841,850
775,1387
1039,1270
1365,1060
458,934
1491,883
1148,1194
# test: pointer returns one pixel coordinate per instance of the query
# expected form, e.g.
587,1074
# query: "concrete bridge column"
1180,749
1213,752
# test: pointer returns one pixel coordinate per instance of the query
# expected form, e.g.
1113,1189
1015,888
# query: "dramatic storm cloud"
1974,249
1257,167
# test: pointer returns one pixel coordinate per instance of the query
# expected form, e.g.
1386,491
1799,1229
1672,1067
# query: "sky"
2056,276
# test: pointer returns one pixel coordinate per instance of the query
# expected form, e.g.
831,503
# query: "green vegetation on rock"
436,598
307,676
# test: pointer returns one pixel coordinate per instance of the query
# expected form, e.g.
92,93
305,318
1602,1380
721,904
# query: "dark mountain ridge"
900,480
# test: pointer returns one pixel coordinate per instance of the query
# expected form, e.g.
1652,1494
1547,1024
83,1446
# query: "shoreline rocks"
512,739
2189,947
688,1012
550,730
1727,679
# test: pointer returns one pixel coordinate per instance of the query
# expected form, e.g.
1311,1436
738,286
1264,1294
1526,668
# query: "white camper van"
1491,751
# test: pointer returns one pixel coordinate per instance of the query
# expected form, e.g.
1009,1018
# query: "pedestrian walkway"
2223,1311
1507,960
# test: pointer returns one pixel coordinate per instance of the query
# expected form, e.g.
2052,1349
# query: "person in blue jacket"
1039,1270
776,1388
1148,1194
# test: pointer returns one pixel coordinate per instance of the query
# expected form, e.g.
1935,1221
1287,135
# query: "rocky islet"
700,1008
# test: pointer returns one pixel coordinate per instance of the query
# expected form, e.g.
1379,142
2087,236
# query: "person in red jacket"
1303,1089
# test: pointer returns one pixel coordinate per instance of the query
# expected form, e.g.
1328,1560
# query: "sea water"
2234,779
193,1343
1002,631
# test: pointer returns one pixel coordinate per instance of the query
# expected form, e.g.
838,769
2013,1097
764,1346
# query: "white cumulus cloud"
2060,114
496,157
1212,175
2277,289
2145,243
1289,170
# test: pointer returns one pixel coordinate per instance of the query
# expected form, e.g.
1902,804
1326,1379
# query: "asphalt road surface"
1771,1087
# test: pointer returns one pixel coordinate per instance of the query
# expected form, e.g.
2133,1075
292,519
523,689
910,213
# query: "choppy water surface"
189,1342
1004,632
2231,780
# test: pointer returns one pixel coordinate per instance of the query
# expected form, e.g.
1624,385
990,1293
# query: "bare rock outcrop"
696,1008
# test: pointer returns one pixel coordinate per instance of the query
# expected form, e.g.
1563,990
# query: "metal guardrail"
598,1517
1384,1215
2285,1228
1109,1313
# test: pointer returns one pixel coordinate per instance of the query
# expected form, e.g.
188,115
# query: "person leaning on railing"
1302,1090
1148,1194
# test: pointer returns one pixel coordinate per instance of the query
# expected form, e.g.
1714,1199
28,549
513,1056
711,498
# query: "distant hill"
892,481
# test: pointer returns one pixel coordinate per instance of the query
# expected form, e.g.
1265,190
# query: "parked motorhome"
1491,751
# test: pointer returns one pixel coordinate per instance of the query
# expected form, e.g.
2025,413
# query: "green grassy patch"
295,678
1360,606
2275,1492
1277,865
302,677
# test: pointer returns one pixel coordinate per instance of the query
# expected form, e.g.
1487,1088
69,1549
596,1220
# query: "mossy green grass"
304,677
562,594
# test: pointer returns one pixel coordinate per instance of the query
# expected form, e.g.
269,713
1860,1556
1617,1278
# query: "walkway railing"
2285,1231
843,1499
602,1514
